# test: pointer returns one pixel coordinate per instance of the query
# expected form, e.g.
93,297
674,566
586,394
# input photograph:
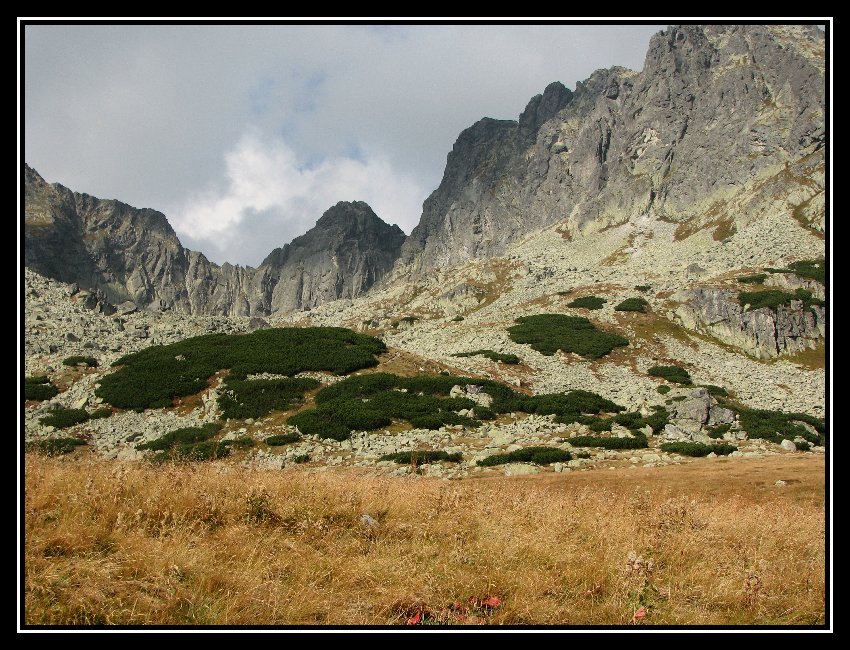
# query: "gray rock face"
347,251
127,256
713,108
762,333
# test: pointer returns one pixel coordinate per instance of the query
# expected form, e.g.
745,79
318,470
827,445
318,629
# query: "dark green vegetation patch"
55,446
671,373
774,298
189,443
588,302
457,318
422,457
153,377
492,355
718,431
182,436
777,426
536,455
716,391
64,418
632,304
812,269
242,398
637,441
78,360
368,402
282,439
697,449
663,389
643,288
548,333
758,278
39,388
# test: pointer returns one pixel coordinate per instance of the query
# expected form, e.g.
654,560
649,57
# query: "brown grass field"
713,542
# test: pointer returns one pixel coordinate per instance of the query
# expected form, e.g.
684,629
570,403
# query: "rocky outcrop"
347,251
715,111
762,333
120,254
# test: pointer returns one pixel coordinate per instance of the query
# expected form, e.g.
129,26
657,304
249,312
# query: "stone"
126,308
780,483
369,520
520,469
257,323
71,337
788,445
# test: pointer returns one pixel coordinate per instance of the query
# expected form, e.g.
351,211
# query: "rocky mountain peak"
544,107
714,109
125,254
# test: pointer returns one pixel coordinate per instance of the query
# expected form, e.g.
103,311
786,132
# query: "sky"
244,135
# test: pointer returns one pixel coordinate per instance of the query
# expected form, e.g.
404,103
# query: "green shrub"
716,391
803,445
100,413
774,298
36,379
39,390
718,431
78,360
282,439
536,455
184,436
64,418
758,278
367,402
301,458
243,399
638,441
813,269
697,449
601,425
55,446
409,319
678,398
643,288
632,304
457,318
242,442
663,389
204,450
153,377
548,333
484,413
588,302
671,373
422,457
490,354
777,426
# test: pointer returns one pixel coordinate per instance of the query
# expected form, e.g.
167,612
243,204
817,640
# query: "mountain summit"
724,126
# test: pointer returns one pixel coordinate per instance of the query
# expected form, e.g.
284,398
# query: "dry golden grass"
216,544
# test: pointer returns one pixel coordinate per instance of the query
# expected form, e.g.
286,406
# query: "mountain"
130,254
724,126
348,250
719,115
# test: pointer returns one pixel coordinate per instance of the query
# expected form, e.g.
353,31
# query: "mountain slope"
715,108
134,254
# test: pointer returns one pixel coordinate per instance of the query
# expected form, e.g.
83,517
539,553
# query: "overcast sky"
243,136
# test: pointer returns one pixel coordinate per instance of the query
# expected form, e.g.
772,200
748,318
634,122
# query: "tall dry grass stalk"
711,543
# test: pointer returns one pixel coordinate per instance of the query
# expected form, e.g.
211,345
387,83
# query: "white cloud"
268,196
